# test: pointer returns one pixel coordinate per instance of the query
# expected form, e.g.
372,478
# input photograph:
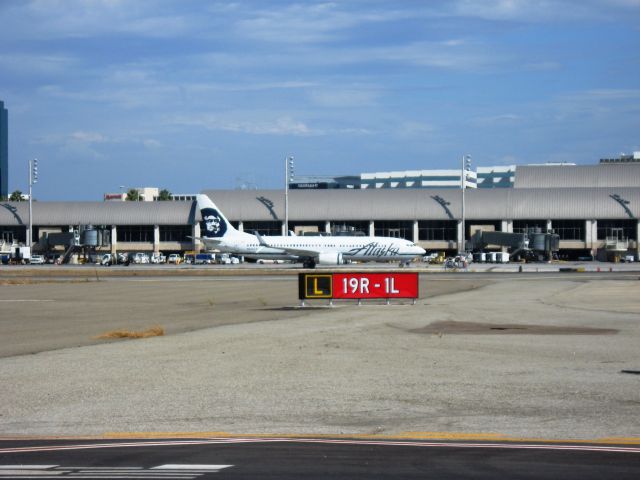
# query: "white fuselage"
360,248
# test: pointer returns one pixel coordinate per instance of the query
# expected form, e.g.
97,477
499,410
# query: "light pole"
33,178
288,176
465,167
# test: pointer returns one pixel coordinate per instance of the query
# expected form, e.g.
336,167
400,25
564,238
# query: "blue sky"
190,95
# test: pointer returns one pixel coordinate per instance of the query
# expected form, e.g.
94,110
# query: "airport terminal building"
593,209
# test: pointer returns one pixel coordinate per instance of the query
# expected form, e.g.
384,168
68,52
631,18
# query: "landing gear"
309,263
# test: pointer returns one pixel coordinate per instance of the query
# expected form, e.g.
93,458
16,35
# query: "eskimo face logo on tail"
212,225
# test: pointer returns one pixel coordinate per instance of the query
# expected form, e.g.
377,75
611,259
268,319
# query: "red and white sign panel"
375,285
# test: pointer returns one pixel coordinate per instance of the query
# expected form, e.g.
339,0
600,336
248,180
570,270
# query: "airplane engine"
330,258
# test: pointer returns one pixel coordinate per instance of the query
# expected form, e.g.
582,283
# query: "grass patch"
156,331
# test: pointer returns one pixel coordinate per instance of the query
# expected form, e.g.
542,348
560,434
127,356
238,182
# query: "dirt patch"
471,328
151,332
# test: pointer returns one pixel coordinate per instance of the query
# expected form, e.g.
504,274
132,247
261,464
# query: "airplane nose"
421,251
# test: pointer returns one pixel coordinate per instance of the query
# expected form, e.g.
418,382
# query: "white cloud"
151,143
542,66
343,98
37,64
415,129
451,54
589,104
78,137
497,120
88,137
249,86
604,94
540,10
456,54
281,125
53,19
300,23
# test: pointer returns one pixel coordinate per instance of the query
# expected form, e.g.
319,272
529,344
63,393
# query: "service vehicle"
175,258
158,257
140,258
204,259
36,260
121,258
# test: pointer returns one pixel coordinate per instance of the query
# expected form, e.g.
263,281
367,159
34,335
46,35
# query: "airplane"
218,233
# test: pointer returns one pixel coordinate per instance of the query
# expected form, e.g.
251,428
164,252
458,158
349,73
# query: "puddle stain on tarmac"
470,328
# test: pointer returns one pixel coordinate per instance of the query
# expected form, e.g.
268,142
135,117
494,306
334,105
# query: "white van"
140,257
158,258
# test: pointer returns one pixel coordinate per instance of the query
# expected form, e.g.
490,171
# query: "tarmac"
549,355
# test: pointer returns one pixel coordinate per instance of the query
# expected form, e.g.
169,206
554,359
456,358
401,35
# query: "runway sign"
358,285
315,286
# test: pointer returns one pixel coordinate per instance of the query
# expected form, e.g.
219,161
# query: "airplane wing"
301,252
298,252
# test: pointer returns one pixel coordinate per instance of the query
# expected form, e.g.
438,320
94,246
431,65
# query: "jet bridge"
531,245
82,241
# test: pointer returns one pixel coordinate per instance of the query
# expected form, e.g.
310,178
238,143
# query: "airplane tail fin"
214,224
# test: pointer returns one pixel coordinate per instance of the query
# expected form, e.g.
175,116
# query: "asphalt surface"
314,458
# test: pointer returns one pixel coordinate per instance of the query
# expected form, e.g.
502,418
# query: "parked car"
175,258
52,258
140,257
36,260
430,258
109,259
158,258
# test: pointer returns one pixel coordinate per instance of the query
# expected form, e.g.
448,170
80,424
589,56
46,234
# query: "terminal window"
175,233
135,233
569,229
621,229
438,230
395,229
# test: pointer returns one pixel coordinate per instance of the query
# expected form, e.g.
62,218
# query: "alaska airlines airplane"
217,233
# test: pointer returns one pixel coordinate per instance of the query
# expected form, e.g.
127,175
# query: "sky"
190,95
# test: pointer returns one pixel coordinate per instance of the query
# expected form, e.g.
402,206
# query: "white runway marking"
26,467
191,467
161,472
25,300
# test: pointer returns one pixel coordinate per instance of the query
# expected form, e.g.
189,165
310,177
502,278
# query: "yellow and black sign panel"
313,285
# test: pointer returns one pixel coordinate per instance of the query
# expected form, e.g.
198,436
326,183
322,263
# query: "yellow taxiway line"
445,436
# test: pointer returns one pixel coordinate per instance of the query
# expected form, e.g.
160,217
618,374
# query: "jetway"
82,241
531,245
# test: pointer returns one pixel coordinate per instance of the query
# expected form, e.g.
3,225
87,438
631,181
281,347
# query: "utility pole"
33,178
288,176
466,166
